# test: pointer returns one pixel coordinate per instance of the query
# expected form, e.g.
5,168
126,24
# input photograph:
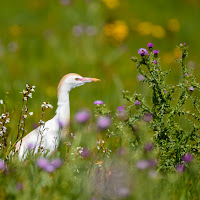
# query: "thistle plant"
4,120
167,106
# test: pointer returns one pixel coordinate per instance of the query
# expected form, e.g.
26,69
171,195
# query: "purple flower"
148,117
180,168
148,146
185,43
2,164
121,151
64,2
152,162
85,153
150,45
137,103
123,192
155,62
188,157
98,102
31,146
42,163
120,109
191,88
103,122
57,162
155,52
142,164
82,116
140,77
19,186
186,74
49,168
142,51
165,91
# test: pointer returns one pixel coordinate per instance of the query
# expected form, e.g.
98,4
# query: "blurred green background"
42,40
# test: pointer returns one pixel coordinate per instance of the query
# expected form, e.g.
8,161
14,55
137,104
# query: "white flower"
24,92
33,86
27,86
32,90
98,147
1,101
25,98
25,116
3,115
30,95
31,113
7,120
4,129
46,105
42,122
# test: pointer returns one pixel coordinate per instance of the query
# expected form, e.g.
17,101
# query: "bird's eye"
77,79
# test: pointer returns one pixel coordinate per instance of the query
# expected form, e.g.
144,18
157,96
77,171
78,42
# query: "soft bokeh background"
42,40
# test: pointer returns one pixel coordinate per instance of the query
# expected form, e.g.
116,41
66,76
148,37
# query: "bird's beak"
87,80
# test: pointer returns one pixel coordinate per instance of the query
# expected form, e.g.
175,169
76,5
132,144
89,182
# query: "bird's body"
46,137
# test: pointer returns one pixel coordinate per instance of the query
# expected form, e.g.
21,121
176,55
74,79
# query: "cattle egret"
48,139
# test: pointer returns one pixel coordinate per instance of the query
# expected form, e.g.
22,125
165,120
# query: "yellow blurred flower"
158,31
177,52
144,28
111,4
168,58
173,25
15,30
117,30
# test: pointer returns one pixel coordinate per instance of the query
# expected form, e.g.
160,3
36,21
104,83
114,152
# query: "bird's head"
73,80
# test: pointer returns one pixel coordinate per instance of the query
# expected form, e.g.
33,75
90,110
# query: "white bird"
48,139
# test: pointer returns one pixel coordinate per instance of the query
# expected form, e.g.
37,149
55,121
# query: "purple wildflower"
103,122
57,162
30,146
150,45
152,162
121,151
155,52
188,157
82,116
191,88
64,2
165,91
142,51
185,43
148,146
140,77
49,168
148,117
120,109
2,164
98,102
155,62
137,103
19,186
180,168
142,164
85,153
42,163
186,74
123,192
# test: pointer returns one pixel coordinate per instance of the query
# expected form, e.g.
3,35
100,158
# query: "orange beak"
90,79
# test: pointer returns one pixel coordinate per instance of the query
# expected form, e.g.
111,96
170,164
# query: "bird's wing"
46,136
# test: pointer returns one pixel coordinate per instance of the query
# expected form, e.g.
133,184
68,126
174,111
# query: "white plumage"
47,138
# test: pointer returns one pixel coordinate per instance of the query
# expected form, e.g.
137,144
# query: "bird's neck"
63,110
